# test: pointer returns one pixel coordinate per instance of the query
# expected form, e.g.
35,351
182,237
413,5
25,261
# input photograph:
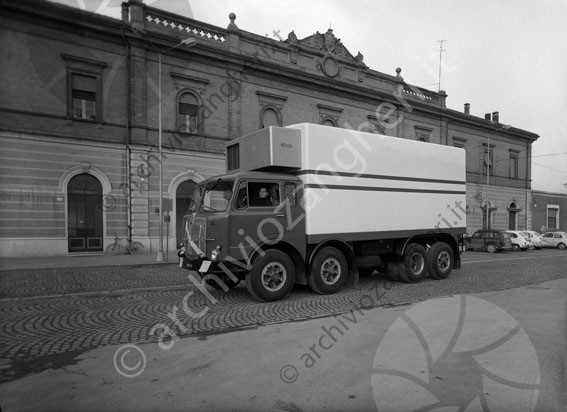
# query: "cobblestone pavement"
49,317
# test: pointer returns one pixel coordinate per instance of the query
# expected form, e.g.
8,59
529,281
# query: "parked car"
555,239
519,241
490,241
534,237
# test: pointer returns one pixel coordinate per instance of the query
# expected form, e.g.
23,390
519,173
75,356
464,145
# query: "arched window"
329,122
188,117
270,117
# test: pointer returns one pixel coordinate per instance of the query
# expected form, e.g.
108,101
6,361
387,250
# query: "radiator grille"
196,230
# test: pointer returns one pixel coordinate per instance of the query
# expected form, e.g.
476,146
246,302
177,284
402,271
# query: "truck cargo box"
363,185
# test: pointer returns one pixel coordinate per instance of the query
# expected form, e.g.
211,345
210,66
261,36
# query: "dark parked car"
490,241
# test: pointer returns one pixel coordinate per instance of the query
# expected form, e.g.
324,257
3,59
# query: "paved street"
145,338
48,317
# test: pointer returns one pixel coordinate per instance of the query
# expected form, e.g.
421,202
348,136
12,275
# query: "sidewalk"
82,260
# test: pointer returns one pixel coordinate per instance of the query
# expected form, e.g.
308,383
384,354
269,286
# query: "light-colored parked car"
534,237
519,242
555,239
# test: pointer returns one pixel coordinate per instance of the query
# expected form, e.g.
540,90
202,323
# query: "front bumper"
197,264
204,266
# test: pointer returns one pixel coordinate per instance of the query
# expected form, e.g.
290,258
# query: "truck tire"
414,264
395,270
440,260
272,276
329,271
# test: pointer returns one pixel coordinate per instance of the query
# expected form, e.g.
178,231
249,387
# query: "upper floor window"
329,115
188,116
84,87
488,163
84,96
514,164
459,142
270,117
422,134
329,122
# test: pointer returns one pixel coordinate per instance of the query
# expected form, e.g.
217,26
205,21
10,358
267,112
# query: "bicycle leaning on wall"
121,248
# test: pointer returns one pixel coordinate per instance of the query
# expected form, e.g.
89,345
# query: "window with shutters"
84,87
84,96
188,116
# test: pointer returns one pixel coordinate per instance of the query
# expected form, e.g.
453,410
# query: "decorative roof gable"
329,44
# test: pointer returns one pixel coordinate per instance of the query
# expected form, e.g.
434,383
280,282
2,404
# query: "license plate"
205,266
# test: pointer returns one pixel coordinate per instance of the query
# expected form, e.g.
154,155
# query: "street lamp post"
189,42
494,126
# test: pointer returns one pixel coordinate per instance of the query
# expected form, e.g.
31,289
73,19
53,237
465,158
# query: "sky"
508,56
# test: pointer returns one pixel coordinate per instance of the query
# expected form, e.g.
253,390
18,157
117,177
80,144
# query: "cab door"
254,223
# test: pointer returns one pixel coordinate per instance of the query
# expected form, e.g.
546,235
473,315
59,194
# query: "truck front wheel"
329,271
440,260
272,276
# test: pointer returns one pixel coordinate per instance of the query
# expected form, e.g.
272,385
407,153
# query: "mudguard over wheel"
440,260
414,264
329,271
272,276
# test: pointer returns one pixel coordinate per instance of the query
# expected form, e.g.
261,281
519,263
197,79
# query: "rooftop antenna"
441,50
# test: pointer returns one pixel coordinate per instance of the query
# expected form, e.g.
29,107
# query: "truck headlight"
215,253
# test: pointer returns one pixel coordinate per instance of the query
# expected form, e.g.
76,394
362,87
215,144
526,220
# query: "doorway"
183,197
84,219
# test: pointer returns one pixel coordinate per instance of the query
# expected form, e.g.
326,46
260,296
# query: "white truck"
318,205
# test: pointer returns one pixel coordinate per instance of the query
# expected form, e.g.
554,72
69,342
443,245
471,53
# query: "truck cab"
234,217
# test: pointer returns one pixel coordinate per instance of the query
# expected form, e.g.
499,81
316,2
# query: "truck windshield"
212,196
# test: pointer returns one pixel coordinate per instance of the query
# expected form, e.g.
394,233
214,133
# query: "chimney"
467,108
495,117
487,116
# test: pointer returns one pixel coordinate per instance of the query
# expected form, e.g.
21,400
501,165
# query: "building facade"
85,98
549,211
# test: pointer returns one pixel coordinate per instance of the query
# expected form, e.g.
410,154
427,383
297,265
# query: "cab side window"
242,197
290,194
264,194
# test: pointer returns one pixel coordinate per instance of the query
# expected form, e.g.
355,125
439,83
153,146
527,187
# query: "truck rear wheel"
272,276
440,260
394,271
415,264
329,271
